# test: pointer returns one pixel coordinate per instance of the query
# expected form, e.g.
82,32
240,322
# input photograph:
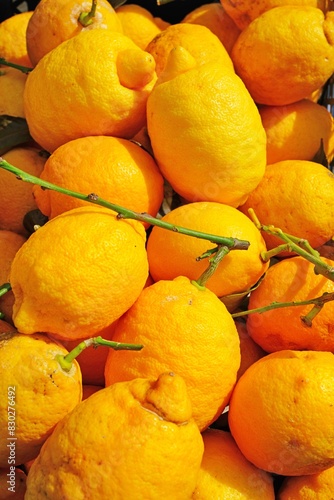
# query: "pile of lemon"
211,126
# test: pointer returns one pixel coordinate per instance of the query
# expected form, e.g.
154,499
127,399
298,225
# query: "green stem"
293,244
124,213
207,254
312,314
6,287
269,254
213,264
67,360
87,18
318,303
306,246
24,69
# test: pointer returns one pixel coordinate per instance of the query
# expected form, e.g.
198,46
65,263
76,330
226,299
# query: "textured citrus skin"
295,131
207,114
301,43
297,197
184,329
274,412
141,430
243,12
10,243
12,85
122,172
225,472
42,393
78,273
13,46
313,487
214,17
250,350
16,198
114,80
138,24
292,280
54,21
172,254
198,40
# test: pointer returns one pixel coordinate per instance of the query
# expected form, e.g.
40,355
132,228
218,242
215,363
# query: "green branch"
23,69
67,360
293,244
124,213
6,287
317,302
214,262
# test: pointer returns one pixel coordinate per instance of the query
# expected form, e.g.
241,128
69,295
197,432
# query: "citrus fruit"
291,280
27,466
12,481
122,172
297,131
316,94
5,326
12,84
214,17
225,472
274,412
16,197
161,23
297,197
138,24
78,273
10,243
172,254
35,397
88,390
300,40
250,351
201,43
218,141
54,21
100,70
243,12
13,45
187,330
140,430
315,486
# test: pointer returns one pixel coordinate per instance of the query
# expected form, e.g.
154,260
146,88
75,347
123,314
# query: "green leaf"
14,131
235,301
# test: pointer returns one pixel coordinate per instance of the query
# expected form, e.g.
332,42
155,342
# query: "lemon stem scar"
293,244
87,18
214,262
124,213
23,69
67,360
